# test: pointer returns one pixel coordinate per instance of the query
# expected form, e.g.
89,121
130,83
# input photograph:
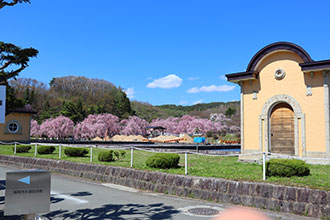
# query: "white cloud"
130,92
212,88
198,101
192,78
167,82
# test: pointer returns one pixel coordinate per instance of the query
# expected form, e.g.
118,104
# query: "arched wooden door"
282,129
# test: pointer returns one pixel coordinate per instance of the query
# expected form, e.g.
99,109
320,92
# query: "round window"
13,127
279,74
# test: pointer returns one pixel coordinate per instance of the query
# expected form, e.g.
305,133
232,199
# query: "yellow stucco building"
17,125
284,102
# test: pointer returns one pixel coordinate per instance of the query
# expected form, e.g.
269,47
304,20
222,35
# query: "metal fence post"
185,163
35,149
264,166
15,149
132,157
60,151
91,159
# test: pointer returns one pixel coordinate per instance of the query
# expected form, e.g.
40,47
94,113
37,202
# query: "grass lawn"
207,166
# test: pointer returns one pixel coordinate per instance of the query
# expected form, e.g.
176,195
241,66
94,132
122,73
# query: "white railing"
265,155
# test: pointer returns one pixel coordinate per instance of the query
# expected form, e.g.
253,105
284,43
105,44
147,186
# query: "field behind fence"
191,163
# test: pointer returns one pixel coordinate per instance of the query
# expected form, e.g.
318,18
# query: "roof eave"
315,66
242,76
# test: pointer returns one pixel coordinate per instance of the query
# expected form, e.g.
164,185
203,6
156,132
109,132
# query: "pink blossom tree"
133,126
35,129
189,124
100,125
59,127
170,124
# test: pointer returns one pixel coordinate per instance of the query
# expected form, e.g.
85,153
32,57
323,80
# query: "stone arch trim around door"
264,133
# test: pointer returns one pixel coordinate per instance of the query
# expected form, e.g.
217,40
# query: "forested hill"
76,97
203,110
72,96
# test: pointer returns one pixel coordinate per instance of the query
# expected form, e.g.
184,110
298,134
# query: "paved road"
79,199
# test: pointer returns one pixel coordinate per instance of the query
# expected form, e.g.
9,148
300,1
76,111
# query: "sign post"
27,193
2,104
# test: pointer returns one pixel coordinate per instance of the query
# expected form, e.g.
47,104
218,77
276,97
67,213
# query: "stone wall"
301,201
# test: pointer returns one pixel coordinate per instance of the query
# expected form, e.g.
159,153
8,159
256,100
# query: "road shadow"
2,184
117,211
12,217
2,187
81,194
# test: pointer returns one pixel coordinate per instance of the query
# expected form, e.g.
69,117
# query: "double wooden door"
282,129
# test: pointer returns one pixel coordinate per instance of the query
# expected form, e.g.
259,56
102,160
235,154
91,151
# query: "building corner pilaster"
326,111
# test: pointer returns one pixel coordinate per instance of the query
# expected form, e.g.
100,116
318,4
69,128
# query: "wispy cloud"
130,92
197,102
211,88
223,77
192,78
183,102
167,82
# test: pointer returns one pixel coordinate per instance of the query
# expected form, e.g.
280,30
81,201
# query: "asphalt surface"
80,199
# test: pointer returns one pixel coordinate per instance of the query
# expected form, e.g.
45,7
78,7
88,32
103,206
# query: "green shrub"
22,148
122,153
111,155
46,149
163,161
76,152
116,155
286,167
106,156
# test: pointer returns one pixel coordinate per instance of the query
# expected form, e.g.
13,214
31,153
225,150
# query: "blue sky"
161,51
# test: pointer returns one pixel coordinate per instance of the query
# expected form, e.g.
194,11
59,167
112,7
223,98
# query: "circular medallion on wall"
279,74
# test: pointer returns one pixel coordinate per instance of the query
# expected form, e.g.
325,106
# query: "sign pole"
60,151
29,217
15,149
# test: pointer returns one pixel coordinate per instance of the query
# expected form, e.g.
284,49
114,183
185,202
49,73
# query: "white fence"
265,156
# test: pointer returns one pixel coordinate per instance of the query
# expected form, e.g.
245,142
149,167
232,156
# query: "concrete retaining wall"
301,201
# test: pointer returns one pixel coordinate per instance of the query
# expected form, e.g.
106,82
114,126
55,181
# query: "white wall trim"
326,111
242,117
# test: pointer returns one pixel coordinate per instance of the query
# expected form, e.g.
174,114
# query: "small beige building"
17,125
285,102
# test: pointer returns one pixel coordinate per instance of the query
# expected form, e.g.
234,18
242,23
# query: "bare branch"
5,77
14,2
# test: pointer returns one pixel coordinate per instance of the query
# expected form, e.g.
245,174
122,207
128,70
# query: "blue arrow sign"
25,180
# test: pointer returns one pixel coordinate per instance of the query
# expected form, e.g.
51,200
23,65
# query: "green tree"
230,111
11,101
47,112
73,111
122,104
13,60
28,97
